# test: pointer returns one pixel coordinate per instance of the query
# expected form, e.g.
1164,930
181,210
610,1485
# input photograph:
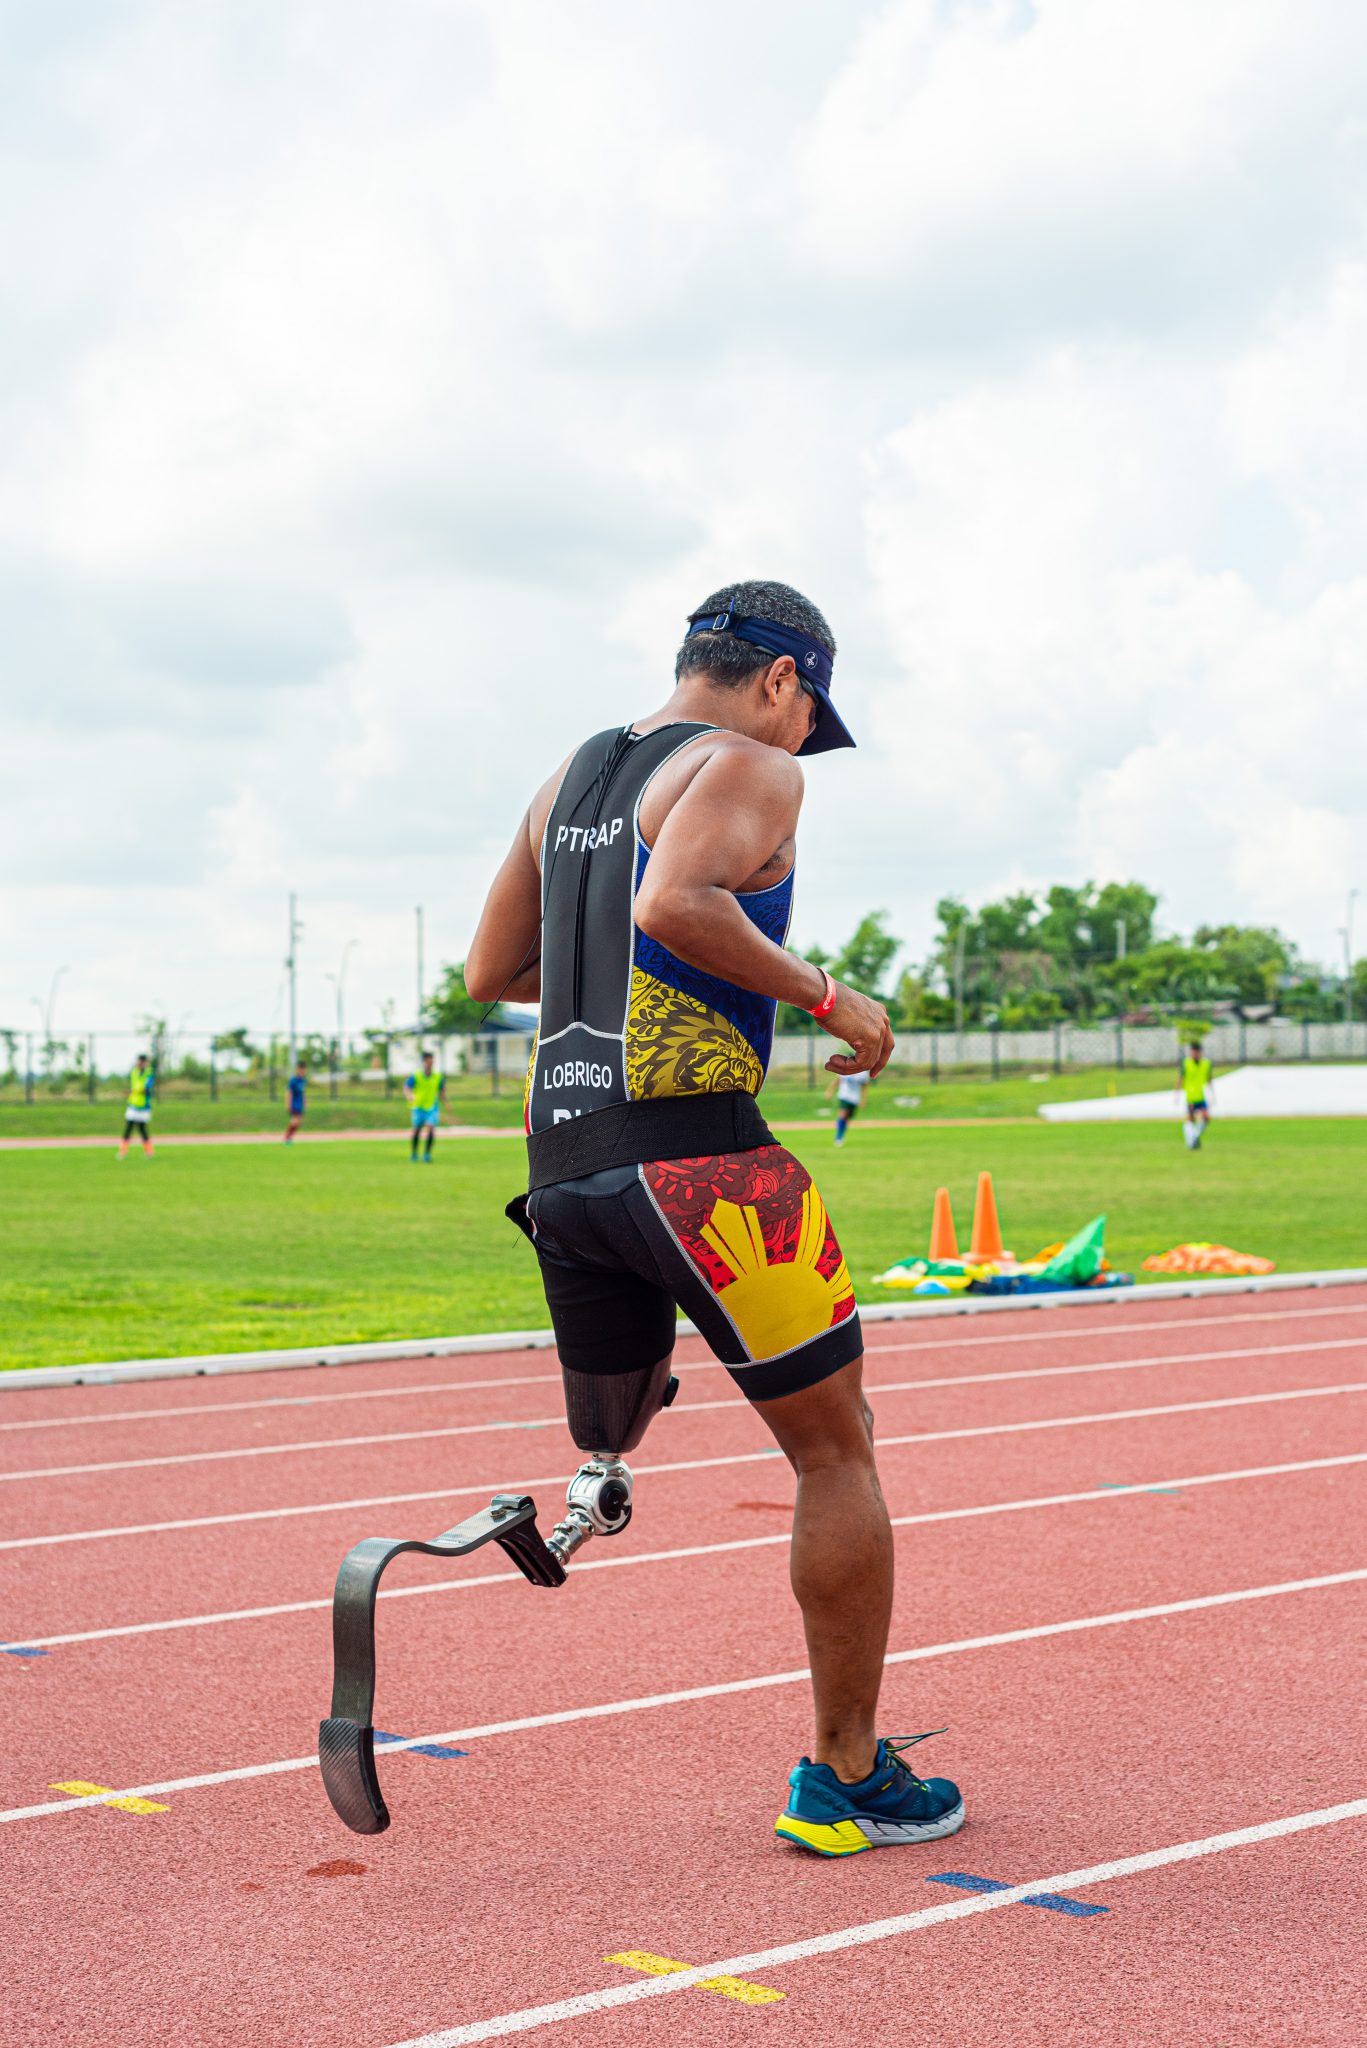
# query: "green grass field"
211,1248
902,1093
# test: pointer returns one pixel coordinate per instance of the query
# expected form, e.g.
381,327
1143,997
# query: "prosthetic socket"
608,1414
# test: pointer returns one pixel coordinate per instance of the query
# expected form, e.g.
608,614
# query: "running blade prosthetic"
346,1740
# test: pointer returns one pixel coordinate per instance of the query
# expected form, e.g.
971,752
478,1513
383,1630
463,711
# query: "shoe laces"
895,1744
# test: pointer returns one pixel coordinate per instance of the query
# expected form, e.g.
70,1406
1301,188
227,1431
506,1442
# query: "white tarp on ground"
1248,1091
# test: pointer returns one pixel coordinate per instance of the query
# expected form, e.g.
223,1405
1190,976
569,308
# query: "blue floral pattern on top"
752,1015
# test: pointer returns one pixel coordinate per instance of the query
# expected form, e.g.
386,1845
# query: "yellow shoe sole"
827,1838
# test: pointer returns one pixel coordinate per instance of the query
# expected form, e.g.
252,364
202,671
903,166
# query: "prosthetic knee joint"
608,1414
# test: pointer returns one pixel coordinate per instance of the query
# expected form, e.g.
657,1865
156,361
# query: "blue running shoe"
889,1807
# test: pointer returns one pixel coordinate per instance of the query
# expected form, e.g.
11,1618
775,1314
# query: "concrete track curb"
542,1340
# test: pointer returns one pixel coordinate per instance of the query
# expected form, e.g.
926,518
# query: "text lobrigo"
578,1074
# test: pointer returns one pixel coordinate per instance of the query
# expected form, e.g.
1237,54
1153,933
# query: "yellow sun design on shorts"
776,1307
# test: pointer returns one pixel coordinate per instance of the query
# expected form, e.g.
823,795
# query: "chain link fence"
94,1066
197,1066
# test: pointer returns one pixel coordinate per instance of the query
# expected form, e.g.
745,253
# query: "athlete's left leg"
431,1135
841,1560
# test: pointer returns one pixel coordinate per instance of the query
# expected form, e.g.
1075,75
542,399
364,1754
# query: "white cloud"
379,394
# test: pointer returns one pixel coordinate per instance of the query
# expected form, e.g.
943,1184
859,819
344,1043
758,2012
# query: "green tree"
915,1007
236,1044
790,1019
452,1008
865,957
1249,961
1127,903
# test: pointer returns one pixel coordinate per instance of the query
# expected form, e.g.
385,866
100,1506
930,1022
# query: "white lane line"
189,1411
600,1564
546,1379
725,1689
416,1436
868,1931
930,1436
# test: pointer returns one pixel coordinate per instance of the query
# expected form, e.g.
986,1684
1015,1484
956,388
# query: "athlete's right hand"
863,1024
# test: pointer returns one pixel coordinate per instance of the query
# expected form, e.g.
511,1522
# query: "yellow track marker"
725,1987
126,1802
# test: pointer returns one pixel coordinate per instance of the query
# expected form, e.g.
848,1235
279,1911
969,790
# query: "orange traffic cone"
986,1243
943,1242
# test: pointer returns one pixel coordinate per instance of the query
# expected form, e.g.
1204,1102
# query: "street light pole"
47,1011
338,981
1348,961
1120,938
291,963
52,991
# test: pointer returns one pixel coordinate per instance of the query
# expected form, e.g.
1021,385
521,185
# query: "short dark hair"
728,660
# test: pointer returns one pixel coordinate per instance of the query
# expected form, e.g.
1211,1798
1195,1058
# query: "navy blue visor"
812,661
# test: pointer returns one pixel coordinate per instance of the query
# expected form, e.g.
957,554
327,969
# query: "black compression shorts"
740,1241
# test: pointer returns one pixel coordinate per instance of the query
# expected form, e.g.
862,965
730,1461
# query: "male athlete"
137,1114
1193,1078
849,1100
645,902
298,1100
425,1091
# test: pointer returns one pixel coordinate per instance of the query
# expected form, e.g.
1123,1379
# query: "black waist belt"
633,1133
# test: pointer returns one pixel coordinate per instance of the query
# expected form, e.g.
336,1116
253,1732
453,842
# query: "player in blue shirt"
298,1085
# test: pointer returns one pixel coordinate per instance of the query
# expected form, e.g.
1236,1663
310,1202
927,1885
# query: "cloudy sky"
381,386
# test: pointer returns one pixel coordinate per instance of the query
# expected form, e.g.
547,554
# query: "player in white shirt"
849,1094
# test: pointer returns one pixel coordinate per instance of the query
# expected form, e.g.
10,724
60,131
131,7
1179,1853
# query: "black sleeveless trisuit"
655,1182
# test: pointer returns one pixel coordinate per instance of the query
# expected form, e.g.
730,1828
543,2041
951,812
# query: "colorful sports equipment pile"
1208,1258
989,1268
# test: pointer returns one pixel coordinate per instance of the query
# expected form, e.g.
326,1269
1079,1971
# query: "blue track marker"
421,1748
1053,1901
21,1650
1125,1486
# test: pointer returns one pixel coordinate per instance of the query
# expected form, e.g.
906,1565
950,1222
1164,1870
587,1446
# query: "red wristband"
827,1004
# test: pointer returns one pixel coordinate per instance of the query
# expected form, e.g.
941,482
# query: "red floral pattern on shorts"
770,1181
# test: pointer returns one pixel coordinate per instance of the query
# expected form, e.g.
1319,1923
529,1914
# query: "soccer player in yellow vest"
424,1092
137,1115
1194,1081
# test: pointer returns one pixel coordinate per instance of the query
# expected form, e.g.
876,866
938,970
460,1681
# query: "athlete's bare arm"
742,804
505,954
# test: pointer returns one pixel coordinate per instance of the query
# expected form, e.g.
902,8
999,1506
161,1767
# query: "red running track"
1129,1676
